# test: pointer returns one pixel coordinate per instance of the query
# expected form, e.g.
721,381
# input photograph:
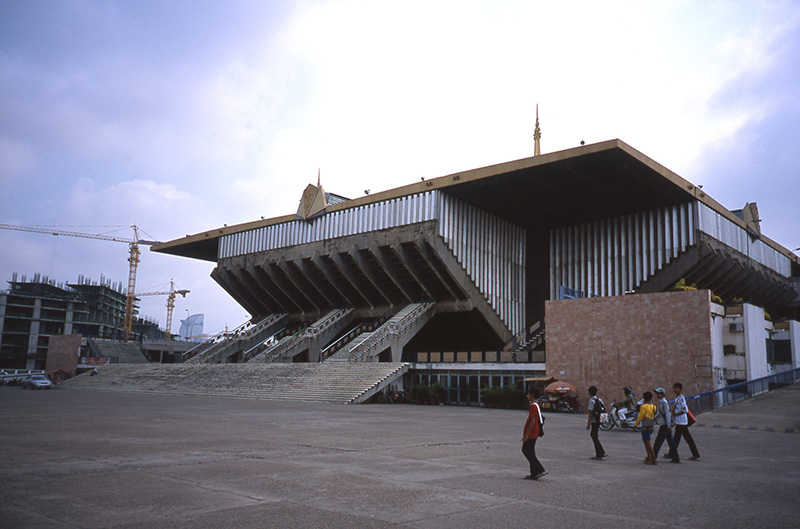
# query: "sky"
181,116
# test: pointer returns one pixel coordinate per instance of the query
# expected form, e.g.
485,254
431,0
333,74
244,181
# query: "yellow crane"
170,304
133,259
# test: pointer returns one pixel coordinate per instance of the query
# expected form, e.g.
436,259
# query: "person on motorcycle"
628,403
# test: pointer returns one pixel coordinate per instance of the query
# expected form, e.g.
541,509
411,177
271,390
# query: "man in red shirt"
531,432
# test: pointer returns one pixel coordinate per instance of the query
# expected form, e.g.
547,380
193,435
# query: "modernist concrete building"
458,269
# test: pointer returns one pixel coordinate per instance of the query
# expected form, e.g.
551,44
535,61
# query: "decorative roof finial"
319,170
537,135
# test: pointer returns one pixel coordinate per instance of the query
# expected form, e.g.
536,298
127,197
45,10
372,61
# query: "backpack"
599,408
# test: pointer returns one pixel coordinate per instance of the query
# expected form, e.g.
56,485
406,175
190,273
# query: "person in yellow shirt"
647,415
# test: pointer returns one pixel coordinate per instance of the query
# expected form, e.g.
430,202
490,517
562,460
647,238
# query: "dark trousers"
529,451
598,448
682,430
665,433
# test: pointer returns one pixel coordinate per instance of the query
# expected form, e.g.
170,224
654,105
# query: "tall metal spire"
537,135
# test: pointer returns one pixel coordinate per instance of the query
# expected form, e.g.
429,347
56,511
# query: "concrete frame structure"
488,247
31,312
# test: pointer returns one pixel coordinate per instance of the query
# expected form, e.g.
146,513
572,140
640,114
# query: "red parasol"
560,387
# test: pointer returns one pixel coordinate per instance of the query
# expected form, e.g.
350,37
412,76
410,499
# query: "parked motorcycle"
613,420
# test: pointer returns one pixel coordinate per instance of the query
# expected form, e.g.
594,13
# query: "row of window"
463,387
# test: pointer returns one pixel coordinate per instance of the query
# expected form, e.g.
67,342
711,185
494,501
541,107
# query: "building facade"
474,257
31,311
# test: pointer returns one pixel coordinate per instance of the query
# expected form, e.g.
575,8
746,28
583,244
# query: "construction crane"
133,260
170,304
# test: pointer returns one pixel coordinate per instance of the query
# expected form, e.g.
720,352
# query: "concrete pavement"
75,458
776,411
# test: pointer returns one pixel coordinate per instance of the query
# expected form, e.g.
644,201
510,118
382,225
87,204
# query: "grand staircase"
398,330
229,345
343,354
314,335
346,383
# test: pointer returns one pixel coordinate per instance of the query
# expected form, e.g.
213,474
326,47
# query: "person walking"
532,431
665,430
647,415
596,407
680,413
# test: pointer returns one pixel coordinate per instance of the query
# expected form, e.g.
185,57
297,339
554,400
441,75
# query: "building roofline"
181,246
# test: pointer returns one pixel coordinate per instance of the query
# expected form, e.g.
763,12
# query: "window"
781,352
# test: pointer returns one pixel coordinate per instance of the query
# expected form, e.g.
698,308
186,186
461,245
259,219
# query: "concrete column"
3,303
33,336
794,341
755,341
718,345
69,318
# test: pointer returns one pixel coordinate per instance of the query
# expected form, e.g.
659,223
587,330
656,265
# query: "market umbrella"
560,387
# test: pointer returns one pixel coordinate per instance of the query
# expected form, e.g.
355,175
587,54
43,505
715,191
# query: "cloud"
17,161
185,116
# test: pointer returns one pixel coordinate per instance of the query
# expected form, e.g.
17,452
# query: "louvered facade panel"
491,250
609,257
725,231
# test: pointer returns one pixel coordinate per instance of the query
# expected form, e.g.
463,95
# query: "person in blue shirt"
665,430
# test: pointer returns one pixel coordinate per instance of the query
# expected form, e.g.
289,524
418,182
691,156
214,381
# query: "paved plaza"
78,458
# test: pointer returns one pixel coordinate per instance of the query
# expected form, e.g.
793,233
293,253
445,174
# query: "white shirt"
680,406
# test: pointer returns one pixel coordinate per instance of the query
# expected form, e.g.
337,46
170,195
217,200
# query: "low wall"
62,354
639,340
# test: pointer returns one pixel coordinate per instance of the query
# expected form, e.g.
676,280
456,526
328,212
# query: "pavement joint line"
749,428
380,448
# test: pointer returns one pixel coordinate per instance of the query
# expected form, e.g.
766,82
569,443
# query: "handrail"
390,328
227,339
740,391
526,336
307,333
250,352
339,343
283,344
191,353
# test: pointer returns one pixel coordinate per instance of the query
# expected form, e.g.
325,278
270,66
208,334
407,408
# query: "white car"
36,382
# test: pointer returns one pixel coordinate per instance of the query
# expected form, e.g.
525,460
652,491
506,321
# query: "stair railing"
307,333
339,343
226,339
390,329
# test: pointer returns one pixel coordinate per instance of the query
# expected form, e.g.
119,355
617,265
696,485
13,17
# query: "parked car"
36,382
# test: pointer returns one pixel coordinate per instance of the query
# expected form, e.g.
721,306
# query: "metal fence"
741,391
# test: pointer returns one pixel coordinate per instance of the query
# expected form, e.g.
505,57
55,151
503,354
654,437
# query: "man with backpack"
596,407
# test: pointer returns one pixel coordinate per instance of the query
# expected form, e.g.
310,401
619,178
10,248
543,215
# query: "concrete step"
337,382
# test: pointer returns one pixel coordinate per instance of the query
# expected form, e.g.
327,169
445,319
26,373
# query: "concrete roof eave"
574,185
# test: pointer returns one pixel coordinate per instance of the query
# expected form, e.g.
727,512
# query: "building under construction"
31,311
492,272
